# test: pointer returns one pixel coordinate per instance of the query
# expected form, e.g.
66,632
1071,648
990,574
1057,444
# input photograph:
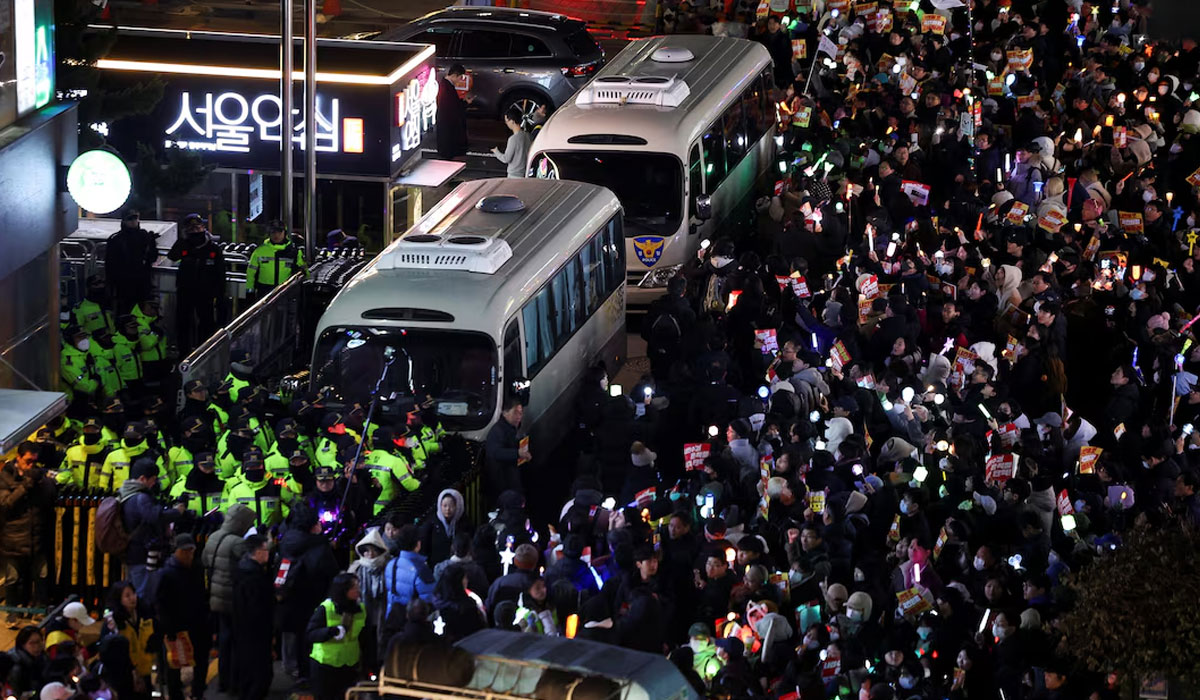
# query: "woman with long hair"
334,630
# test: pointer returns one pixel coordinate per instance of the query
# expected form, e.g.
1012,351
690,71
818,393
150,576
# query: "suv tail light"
581,71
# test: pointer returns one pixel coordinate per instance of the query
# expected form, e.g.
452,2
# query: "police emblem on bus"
649,249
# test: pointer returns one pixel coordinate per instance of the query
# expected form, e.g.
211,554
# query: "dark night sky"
1175,19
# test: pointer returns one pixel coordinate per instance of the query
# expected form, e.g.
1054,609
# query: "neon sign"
416,111
228,122
33,30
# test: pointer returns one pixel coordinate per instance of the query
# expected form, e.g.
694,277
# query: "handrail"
227,332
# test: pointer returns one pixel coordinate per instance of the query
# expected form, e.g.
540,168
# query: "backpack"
665,331
110,527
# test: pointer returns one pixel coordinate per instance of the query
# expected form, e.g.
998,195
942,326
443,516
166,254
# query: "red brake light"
581,71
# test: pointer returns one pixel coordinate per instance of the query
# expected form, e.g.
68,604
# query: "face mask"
904,507
1137,294
907,682
997,56
697,645
1138,67
978,564
945,268
999,632
287,445
1145,464
924,632
720,261
1147,195
84,344
91,438
604,383
1152,76
811,644
853,614
255,475
834,635
105,694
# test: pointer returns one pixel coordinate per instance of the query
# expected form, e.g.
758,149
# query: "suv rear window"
524,46
582,44
484,43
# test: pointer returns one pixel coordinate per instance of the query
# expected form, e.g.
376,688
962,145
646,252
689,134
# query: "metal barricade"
268,331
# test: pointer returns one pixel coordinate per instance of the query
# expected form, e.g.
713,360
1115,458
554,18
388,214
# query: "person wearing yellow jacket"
152,340
127,352
116,465
78,380
134,621
90,313
334,630
389,469
100,350
273,261
83,465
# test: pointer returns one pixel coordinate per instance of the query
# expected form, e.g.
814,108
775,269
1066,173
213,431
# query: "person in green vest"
333,630
116,465
388,467
286,460
535,614
100,349
273,261
76,375
241,375
335,446
90,314
193,438
258,493
232,446
85,459
112,417
705,661
202,491
127,353
152,339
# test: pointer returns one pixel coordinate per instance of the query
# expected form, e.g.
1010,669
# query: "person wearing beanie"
705,661
643,475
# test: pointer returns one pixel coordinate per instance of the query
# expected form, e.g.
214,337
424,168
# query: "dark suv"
513,57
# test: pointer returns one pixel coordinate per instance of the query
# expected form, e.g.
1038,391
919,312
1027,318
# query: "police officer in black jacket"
200,283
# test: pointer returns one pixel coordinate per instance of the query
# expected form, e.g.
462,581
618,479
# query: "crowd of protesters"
949,367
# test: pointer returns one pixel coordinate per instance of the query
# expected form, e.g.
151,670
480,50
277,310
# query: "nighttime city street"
599,349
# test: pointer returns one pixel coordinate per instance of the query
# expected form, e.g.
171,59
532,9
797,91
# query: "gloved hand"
341,633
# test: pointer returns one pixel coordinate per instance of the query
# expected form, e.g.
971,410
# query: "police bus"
505,283
680,128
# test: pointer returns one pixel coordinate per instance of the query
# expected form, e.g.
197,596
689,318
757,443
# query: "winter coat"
408,575
222,553
144,520
25,502
371,580
181,602
28,672
437,535
318,566
462,618
253,608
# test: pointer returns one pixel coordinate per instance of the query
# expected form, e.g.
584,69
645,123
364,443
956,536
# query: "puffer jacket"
406,575
437,535
221,555
25,503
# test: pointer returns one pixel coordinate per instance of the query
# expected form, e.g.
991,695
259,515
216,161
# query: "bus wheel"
527,103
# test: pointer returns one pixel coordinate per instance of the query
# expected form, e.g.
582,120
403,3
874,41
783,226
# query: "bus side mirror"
703,207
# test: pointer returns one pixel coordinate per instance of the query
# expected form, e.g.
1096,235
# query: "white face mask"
853,614
84,344
907,682
1147,195
719,261
604,383
999,632
978,563
697,645
904,507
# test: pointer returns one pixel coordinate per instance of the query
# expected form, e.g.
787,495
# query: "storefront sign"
99,181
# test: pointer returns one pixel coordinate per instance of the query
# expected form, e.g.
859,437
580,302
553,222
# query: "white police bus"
504,281
681,128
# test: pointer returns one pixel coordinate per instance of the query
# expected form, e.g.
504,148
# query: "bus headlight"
660,276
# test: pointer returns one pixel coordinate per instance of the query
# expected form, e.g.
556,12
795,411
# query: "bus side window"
754,125
714,156
695,179
539,331
592,274
735,136
512,354
614,258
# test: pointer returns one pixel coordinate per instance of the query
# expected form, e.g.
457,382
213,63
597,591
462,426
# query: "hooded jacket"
24,503
221,555
313,554
143,518
370,577
437,534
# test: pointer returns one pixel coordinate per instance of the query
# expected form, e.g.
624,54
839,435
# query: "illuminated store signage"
231,122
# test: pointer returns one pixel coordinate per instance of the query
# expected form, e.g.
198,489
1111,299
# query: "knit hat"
939,369
782,385
986,352
861,601
55,691
641,455
731,646
832,313
741,426
699,629
896,449
855,502
1031,619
